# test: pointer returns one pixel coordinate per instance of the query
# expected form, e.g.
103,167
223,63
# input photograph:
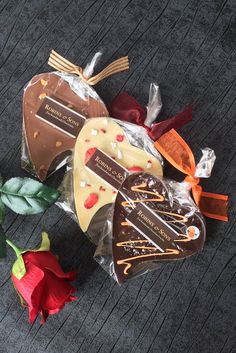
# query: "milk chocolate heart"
103,156
151,224
53,114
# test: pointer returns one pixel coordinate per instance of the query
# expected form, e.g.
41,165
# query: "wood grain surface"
189,48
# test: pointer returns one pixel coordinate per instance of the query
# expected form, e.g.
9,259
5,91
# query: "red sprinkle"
91,200
149,161
88,185
89,154
135,168
102,188
120,138
113,157
114,191
103,130
87,140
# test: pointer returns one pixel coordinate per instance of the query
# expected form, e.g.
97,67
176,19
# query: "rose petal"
27,284
68,300
44,315
45,286
33,313
57,292
46,260
30,287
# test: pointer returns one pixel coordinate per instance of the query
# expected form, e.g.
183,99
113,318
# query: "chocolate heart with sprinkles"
53,115
103,155
150,224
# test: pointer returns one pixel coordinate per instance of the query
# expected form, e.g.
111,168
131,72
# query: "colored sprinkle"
135,168
91,200
113,145
120,138
89,154
94,132
119,154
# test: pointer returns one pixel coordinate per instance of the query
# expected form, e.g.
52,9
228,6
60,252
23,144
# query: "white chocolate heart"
90,191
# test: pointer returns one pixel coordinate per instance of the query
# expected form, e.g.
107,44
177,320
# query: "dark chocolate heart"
46,142
152,222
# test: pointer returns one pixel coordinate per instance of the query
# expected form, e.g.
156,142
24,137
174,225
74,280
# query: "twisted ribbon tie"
125,107
61,64
178,153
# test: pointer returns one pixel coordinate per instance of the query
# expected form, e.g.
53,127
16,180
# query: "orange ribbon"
178,153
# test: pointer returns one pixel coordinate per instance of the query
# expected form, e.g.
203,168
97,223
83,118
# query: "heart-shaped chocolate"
52,116
103,156
153,222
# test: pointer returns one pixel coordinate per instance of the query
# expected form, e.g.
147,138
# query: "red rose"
40,281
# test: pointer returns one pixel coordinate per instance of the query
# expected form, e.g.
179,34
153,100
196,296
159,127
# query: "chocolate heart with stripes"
154,220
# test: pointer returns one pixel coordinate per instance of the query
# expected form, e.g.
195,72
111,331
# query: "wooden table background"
188,47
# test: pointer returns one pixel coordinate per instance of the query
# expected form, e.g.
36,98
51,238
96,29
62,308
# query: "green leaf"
3,250
22,302
18,268
27,196
2,212
45,243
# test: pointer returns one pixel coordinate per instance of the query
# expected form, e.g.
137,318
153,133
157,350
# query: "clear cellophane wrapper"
153,220
108,204
137,152
46,145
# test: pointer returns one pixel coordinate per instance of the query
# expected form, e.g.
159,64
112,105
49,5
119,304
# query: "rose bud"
40,281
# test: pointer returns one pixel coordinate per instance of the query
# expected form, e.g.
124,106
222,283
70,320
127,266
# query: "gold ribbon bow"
61,64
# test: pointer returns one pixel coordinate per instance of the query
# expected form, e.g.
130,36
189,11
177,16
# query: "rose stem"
17,251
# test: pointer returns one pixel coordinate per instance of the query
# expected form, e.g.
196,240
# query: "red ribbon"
125,107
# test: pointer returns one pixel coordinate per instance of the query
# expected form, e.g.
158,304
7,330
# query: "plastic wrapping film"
152,220
206,163
101,204
88,193
116,175
154,104
55,106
